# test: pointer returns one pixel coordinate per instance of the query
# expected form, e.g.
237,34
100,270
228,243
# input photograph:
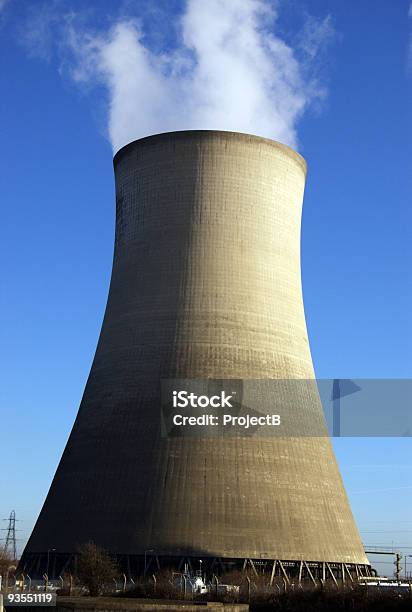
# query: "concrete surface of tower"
206,283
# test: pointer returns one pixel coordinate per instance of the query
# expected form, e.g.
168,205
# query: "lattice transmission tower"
10,544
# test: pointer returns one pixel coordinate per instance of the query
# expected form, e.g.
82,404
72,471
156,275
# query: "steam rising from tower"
228,68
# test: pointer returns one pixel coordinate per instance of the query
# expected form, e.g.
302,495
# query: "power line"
391,547
387,531
392,521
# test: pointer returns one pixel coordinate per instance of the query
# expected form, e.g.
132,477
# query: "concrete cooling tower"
205,285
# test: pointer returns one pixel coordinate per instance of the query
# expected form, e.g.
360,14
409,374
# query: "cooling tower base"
55,565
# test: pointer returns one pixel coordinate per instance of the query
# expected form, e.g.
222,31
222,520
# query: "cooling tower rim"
181,134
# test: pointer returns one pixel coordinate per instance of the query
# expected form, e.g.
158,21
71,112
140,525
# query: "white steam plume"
230,71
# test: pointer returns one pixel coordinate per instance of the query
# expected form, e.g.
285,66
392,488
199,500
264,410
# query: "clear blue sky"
57,196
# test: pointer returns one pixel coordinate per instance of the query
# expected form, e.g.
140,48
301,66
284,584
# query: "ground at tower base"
94,580
250,594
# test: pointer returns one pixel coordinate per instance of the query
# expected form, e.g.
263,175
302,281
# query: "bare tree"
95,568
7,566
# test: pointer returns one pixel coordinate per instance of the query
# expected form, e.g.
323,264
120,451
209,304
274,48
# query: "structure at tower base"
206,284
